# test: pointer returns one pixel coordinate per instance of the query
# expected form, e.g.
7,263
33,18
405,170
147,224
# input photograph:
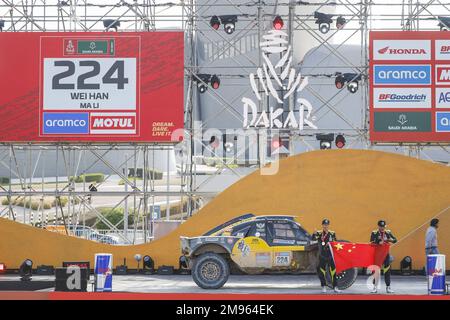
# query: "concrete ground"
263,284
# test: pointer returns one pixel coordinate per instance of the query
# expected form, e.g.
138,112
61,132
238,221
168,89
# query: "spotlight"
340,22
323,20
406,266
229,23
2,268
111,24
148,264
325,140
214,142
2,24
352,80
202,87
353,86
215,82
25,270
204,79
276,142
138,259
183,263
278,23
202,82
339,81
340,141
444,23
214,22
229,146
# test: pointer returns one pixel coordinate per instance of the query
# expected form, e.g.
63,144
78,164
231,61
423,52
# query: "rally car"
254,245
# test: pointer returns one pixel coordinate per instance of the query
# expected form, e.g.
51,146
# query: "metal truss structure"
26,163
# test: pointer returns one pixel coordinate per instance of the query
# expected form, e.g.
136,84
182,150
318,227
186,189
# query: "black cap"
434,222
325,221
382,223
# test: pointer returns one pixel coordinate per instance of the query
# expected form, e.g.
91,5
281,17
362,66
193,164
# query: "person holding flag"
323,237
381,237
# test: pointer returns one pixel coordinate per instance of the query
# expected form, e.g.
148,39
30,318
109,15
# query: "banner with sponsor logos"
91,87
409,86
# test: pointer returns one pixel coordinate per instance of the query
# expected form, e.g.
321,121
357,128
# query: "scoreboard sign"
409,87
91,87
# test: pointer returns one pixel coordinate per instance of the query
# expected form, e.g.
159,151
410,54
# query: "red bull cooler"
103,272
436,273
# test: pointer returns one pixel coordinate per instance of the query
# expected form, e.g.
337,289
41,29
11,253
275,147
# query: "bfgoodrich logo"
402,74
402,97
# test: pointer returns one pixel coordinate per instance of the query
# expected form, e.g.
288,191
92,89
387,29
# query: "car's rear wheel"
210,271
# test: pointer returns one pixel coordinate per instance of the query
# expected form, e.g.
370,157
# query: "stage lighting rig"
351,79
214,22
111,24
278,23
203,80
323,20
406,266
214,142
340,141
25,270
340,22
325,140
276,142
148,264
228,21
444,23
138,259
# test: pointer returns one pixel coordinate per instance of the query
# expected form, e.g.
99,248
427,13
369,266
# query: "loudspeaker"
69,282
165,270
45,270
121,270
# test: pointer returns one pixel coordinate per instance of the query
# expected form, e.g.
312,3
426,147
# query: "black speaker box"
45,270
165,270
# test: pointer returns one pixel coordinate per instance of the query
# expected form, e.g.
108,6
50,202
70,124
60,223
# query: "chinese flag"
357,255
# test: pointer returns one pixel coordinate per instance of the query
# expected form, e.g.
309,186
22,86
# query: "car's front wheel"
346,278
210,271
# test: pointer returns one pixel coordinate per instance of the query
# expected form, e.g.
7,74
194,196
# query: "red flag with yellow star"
349,255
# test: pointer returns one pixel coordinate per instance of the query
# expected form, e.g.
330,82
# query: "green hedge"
151,173
21,202
89,177
114,217
4,180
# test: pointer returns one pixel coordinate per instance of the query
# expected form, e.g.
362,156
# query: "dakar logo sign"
275,42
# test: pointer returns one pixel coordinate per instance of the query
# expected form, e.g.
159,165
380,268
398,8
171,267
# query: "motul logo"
112,122
401,51
443,74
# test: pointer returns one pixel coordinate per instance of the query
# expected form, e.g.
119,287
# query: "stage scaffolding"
26,162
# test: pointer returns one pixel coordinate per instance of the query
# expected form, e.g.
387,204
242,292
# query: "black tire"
346,278
210,271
